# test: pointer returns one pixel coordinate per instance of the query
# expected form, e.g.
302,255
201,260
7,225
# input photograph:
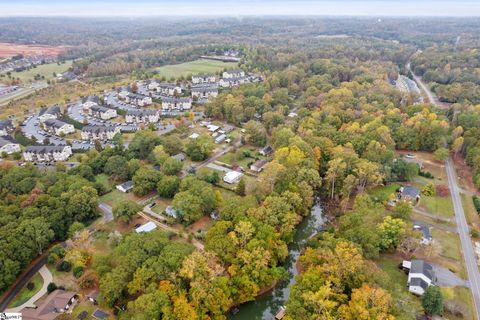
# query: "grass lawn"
45,70
450,254
26,294
383,193
462,297
193,67
407,306
437,205
116,196
162,204
470,211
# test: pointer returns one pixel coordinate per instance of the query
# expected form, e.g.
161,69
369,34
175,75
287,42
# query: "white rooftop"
232,177
147,227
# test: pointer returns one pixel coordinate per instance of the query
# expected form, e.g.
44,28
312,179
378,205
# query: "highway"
462,226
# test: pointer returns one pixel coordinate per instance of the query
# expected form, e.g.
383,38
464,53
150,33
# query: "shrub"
64,266
51,287
77,271
476,203
56,253
425,174
442,190
428,190
30,286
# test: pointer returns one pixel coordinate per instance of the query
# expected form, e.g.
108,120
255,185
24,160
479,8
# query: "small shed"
266,151
220,138
100,314
232,177
258,165
125,187
180,157
171,212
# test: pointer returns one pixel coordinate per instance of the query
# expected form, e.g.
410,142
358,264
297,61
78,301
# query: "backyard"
199,66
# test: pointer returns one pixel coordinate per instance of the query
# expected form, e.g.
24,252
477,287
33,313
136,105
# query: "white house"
102,112
233,74
47,153
212,127
147,227
142,116
139,100
258,165
125,187
169,89
420,276
8,145
6,127
99,132
204,92
232,82
58,127
204,78
220,138
232,177
49,113
175,103
90,101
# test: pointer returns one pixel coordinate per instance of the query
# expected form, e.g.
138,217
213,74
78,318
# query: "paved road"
466,241
47,279
433,99
107,211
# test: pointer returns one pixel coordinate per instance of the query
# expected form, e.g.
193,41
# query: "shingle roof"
6,140
418,282
54,123
410,191
145,112
98,129
5,124
44,149
420,266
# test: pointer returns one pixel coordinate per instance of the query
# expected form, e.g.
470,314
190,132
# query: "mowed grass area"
383,193
26,294
116,196
462,297
45,70
199,66
437,205
470,211
407,306
447,251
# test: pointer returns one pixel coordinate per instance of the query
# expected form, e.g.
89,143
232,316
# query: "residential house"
102,112
47,153
258,165
266,151
425,229
420,276
204,78
6,127
57,302
408,193
142,116
58,127
125,187
53,112
221,138
171,212
180,156
204,92
212,127
176,103
92,297
90,101
232,82
233,74
232,177
8,145
169,89
137,99
147,227
102,133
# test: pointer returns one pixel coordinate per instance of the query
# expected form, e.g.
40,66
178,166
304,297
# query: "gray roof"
44,149
6,124
145,112
175,99
100,108
98,129
420,266
7,140
54,123
95,99
179,157
418,282
410,191
127,185
204,89
54,110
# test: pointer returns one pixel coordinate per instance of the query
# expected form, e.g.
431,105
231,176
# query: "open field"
26,294
44,70
194,67
8,50
437,205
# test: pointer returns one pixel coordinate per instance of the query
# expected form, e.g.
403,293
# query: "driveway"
47,279
107,211
446,278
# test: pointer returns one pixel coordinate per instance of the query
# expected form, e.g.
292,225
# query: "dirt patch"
204,223
465,174
8,50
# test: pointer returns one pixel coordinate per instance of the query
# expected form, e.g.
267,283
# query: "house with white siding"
231,74
137,99
142,116
232,82
204,91
52,112
420,276
8,145
102,112
175,103
204,78
169,89
102,133
6,127
58,127
47,153
89,102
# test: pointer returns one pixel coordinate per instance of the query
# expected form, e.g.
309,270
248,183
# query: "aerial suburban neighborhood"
278,166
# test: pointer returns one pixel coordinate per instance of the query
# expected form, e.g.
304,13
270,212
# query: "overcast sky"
239,7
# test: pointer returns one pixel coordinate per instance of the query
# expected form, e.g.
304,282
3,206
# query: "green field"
45,70
199,66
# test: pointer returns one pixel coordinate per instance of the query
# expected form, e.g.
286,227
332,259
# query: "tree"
75,228
168,186
115,167
441,154
336,168
240,190
172,166
432,301
199,149
37,233
390,232
368,303
255,133
160,154
125,210
145,180
402,210
428,189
